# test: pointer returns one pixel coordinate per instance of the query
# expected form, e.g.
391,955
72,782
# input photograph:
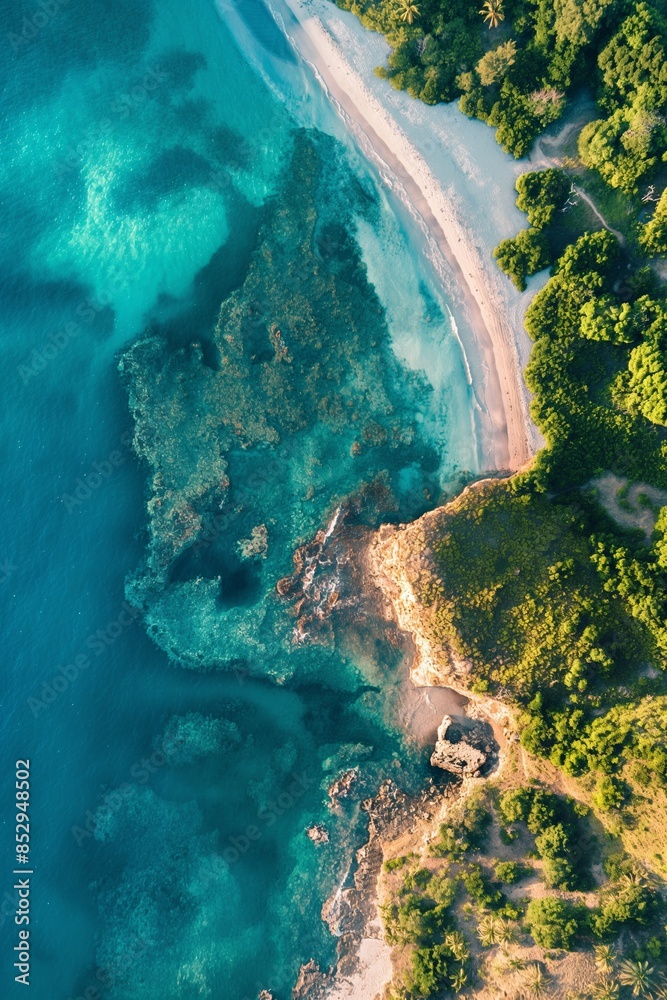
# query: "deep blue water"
143,160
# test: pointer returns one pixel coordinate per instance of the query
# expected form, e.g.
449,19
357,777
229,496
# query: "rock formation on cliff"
463,751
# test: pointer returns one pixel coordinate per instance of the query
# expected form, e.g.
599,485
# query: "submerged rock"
318,833
458,751
254,547
265,995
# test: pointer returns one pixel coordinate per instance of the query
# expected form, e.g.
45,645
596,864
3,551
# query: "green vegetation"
429,50
523,255
653,235
554,606
553,922
538,53
557,828
542,193
420,921
630,140
448,912
508,872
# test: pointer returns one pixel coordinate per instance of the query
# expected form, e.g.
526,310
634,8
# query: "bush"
416,880
541,193
475,820
406,922
508,872
442,889
523,255
480,889
608,794
627,901
466,831
392,864
555,822
428,970
515,804
653,236
552,922
543,811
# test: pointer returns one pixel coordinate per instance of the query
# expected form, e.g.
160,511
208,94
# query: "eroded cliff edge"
400,564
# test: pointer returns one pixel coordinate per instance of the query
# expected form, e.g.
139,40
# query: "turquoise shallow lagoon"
218,337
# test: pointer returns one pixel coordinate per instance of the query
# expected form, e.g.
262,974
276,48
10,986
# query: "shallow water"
149,168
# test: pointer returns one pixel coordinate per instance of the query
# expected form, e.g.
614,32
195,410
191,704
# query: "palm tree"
407,10
487,930
456,943
506,932
536,980
492,11
637,975
604,959
606,989
635,877
515,964
459,980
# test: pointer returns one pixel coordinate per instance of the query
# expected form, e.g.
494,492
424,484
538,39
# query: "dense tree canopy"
523,255
653,235
520,83
541,193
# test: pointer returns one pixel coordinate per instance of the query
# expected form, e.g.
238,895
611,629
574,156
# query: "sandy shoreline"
508,443
508,437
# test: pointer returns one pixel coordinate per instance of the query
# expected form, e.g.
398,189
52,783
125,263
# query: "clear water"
146,163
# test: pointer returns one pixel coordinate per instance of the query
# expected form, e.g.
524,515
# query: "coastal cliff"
400,563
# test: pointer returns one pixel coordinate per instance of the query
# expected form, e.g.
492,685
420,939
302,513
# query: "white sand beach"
493,312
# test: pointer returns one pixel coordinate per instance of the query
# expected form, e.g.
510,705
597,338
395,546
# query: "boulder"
458,756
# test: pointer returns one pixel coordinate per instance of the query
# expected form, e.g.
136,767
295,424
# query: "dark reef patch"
257,424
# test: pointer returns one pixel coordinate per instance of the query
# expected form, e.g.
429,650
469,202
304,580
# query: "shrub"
418,879
608,794
406,922
508,872
523,255
480,889
428,970
514,805
627,901
392,864
653,236
552,922
541,193
442,889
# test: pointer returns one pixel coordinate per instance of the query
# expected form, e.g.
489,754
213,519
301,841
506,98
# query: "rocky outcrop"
318,833
459,752
341,787
351,912
312,983
256,546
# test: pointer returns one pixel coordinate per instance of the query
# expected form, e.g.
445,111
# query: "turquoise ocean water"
161,161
